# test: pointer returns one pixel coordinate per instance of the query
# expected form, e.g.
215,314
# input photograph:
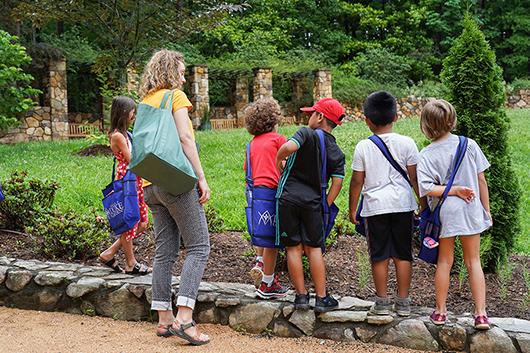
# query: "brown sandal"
195,341
167,333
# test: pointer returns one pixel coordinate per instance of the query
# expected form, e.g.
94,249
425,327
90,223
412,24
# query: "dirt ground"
349,273
34,331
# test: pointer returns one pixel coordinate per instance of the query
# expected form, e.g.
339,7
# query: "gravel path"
34,331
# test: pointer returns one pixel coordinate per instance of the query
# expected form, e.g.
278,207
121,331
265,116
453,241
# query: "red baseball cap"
329,107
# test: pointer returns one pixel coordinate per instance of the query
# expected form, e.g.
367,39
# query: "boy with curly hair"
261,119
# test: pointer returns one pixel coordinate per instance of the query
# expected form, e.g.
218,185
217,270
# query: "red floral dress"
122,169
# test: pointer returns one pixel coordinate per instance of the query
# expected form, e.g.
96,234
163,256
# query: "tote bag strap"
167,96
250,181
378,141
457,161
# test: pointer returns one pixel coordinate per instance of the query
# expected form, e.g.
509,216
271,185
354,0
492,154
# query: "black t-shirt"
300,181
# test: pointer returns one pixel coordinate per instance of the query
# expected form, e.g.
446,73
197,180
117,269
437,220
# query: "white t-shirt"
385,190
435,168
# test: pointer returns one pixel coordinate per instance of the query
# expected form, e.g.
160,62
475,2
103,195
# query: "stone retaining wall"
79,289
521,99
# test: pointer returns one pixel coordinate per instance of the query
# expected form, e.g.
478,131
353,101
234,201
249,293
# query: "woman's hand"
204,191
353,217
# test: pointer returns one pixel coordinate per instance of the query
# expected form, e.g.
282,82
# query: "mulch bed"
95,150
231,257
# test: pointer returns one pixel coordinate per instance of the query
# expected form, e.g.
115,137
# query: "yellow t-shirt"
179,101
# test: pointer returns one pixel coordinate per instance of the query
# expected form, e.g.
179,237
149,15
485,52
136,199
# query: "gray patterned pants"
177,218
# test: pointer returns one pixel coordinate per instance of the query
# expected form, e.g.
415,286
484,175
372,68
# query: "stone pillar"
321,84
199,96
133,80
298,86
262,83
241,99
58,96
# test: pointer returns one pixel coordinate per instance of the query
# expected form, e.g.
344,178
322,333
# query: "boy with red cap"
299,210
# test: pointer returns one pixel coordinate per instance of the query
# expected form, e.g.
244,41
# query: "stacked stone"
58,99
199,96
241,99
94,290
80,118
519,100
262,83
322,85
407,107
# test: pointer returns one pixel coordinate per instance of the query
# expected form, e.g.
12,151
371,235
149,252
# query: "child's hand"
465,193
353,217
204,191
280,165
489,215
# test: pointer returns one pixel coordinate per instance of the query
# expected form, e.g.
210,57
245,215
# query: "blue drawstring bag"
120,202
430,224
329,212
2,197
260,211
361,227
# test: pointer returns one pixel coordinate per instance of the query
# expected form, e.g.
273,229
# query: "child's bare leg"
443,270
380,276
404,276
259,250
128,251
471,249
269,260
318,269
296,270
111,251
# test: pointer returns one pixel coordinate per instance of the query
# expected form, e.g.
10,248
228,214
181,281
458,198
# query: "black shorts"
300,225
390,235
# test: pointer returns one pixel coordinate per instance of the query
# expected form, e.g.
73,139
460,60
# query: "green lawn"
222,155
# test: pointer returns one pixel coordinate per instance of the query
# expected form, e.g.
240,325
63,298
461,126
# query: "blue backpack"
329,213
430,224
120,201
361,227
260,211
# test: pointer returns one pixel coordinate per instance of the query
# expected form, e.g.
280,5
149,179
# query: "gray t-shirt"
435,167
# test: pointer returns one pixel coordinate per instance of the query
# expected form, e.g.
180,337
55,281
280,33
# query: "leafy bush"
25,199
70,235
15,89
475,84
429,89
518,84
100,138
215,222
384,67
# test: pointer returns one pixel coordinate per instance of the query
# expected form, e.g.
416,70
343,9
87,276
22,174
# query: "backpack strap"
167,95
323,171
457,161
250,181
378,141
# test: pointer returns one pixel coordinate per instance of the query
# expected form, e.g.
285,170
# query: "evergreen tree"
476,91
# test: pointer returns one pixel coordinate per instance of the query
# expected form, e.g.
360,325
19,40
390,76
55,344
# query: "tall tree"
476,91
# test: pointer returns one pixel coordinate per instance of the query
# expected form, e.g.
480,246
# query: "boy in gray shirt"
389,202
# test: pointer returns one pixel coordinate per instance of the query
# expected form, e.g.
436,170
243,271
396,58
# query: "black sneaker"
325,304
301,302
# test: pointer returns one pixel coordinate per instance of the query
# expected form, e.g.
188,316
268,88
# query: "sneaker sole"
325,309
381,312
262,295
482,327
256,274
403,313
437,323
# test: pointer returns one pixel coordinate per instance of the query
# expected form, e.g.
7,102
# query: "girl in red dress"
122,114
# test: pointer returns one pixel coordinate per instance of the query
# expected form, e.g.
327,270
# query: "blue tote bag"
120,202
260,211
329,212
430,224
2,197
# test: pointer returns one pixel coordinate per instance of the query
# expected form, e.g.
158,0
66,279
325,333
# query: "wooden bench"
220,124
83,130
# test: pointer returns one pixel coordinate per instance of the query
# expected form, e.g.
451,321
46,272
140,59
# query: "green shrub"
384,67
215,223
429,89
25,199
70,235
518,84
15,89
98,139
475,84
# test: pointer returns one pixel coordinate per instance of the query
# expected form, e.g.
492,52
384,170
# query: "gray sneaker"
402,306
382,306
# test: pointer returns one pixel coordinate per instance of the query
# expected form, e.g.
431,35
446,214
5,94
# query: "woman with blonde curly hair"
176,217
262,118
